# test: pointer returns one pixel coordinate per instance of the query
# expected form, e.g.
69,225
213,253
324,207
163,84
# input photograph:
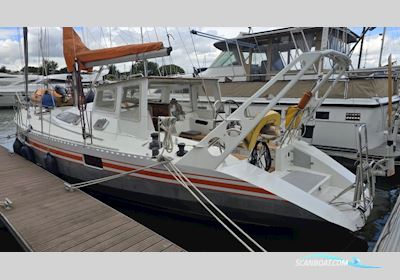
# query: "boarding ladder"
365,177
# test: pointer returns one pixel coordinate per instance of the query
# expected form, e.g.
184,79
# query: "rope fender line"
182,179
72,187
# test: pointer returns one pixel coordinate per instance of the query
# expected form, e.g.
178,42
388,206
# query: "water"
7,128
196,234
7,132
7,240
201,235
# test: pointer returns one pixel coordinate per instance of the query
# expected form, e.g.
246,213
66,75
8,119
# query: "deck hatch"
100,124
303,180
69,117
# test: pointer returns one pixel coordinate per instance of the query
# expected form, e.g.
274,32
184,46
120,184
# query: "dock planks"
45,217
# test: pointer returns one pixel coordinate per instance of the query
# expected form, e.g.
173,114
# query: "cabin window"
246,56
225,59
155,94
105,99
130,103
258,58
322,115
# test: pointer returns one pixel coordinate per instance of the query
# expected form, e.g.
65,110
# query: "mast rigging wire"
194,48
162,58
171,62
184,46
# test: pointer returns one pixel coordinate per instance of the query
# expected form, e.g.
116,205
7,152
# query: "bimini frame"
201,157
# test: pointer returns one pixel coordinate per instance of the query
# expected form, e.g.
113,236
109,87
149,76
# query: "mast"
144,60
383,40
25,32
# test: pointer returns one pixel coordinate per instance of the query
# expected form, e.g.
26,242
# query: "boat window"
322,115
336,41
162,93
246,56
225,59
130,103
155,94
258,58
105,99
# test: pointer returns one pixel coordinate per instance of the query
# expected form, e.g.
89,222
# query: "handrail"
363,166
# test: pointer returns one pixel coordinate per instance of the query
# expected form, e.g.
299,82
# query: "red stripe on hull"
57,151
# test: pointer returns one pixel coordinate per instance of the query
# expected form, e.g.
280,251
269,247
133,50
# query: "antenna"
361,46
383,40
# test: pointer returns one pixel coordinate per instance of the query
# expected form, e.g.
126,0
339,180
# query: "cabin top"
135,105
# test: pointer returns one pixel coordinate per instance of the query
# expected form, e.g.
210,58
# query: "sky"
188,50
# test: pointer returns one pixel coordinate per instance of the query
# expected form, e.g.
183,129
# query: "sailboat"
137,142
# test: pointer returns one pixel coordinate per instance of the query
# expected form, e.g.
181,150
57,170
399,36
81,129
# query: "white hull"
304,182
248,203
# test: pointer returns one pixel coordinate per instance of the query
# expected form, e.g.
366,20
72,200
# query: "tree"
138,68
48,67
4,69
171,69
62,70
113,73
31,70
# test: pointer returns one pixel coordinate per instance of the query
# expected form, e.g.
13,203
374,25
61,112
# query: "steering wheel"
217,105
231,101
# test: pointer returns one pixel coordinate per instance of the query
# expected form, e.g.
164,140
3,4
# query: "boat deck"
389,240
46,217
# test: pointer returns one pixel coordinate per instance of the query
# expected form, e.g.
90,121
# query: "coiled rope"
168,125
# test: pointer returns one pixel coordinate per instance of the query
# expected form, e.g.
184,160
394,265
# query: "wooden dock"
389,240
46,217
